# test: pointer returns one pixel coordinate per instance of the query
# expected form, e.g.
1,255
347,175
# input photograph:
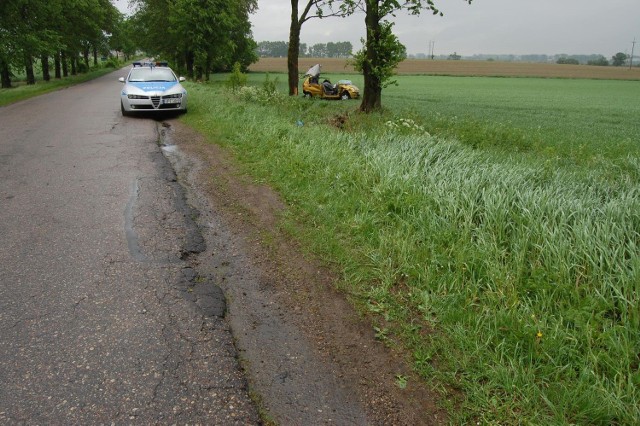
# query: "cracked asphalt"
104,318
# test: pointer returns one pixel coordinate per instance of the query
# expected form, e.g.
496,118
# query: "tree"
297,19
345,49
25,32
565,60
378,61
8,41
619,59
598,60
243,45
83,26
273,49
339,49
382,49
43,28
123,37
318,50
198,36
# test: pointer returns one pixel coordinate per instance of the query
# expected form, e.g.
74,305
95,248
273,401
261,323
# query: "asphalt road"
102,318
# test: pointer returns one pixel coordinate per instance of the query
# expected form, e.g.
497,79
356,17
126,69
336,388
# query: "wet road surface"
117,239
102,317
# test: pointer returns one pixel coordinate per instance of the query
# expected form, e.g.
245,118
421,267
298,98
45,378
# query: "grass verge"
511,277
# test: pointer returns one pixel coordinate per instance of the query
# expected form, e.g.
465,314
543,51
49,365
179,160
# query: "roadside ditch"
308,356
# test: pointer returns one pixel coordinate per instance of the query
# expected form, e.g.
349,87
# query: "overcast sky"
486,26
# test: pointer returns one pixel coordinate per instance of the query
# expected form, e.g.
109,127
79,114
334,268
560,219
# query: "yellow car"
343,89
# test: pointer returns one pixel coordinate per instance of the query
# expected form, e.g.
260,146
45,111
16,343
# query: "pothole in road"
161,228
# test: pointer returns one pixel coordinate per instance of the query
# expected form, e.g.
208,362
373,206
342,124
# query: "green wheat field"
491,226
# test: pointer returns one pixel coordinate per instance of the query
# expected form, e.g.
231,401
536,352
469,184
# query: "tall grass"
512,277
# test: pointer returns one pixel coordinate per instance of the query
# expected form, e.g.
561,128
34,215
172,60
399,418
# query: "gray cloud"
485,26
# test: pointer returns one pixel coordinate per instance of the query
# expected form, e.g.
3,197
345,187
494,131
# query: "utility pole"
432,45
633,46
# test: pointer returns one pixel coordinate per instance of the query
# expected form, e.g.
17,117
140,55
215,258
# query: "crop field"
489,226
463,68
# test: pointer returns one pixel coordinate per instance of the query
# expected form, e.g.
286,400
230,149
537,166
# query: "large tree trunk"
5,75
74,63
294,49
46,76
28,64
85,54
189,59
95,56
57,65
65,64
179,61
208,67
372,96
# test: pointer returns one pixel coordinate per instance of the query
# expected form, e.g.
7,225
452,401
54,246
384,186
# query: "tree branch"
320,4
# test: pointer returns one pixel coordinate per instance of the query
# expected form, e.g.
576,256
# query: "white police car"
150,89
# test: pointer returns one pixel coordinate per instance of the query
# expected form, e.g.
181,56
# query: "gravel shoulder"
309,356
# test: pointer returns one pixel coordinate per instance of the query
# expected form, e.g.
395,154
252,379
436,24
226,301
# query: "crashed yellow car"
311,87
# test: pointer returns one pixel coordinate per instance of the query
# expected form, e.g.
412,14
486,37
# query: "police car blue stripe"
154,86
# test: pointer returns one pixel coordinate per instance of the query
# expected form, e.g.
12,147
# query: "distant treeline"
618,59
279,49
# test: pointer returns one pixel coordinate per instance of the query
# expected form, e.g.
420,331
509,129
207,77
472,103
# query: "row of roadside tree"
67,32
197,36
62,37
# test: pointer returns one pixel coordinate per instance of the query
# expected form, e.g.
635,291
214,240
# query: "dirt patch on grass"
364,371
339,121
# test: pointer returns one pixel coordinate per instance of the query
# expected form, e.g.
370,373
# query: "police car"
151,88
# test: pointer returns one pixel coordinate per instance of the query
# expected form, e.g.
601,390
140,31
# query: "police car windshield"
151,74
